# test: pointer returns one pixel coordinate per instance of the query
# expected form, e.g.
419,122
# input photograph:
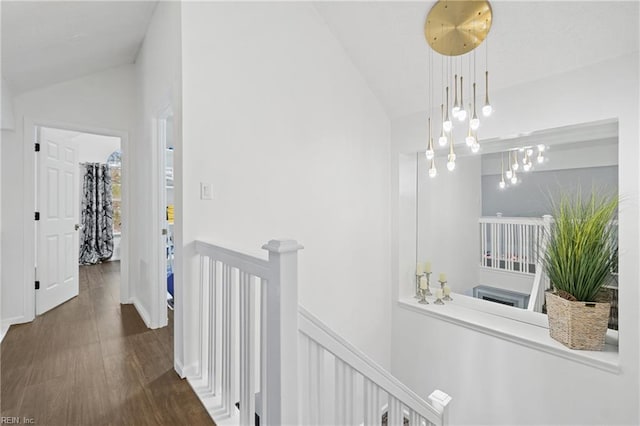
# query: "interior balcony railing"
263,359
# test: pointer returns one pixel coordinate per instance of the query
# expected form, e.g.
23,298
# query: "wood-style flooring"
92,361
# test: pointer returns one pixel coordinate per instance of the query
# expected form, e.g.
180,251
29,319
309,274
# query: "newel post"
281,339
440,400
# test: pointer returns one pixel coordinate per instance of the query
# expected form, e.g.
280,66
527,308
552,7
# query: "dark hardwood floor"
92,361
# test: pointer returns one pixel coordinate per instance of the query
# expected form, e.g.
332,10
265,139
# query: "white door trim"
159,288
29,205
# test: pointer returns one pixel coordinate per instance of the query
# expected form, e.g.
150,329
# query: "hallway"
92,361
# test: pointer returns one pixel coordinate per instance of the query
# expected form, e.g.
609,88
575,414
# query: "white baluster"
483,238
340,393
227,352
395,412
371,403
211,388
350,375
414,418
499,239
247,350
315,383
200,318
263,351
494,244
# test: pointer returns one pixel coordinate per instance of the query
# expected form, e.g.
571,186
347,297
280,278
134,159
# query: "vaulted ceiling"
47,42
529,40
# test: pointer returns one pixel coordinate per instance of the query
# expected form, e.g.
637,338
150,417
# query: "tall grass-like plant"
582,246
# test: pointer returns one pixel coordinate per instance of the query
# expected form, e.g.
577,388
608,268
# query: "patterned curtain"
96,238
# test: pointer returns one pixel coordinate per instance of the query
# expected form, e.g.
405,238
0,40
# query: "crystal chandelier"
454,29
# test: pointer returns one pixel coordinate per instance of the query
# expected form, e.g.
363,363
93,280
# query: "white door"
58,205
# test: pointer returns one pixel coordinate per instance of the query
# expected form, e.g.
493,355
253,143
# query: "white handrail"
315,330
235,259
514,220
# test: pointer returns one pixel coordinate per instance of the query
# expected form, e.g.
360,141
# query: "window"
115,167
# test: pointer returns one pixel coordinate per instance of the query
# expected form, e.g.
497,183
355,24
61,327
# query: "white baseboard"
189,370
8,322
142,312
3,331
177,365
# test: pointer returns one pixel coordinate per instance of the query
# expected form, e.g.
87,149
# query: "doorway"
79,211
165,215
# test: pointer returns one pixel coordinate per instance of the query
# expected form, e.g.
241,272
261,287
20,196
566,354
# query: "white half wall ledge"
518,332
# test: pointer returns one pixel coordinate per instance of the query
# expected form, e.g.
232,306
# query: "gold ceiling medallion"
456,27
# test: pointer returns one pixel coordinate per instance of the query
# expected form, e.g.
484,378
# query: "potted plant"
581,251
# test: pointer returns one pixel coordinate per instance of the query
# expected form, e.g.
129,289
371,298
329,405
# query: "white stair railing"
249,329
248,334
359,389
510,243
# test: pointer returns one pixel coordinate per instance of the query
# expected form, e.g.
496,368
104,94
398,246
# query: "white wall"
103,100
498,382
7,121
96,148
296,145
157,69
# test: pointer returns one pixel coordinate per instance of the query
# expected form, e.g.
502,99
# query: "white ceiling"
47,42
528,41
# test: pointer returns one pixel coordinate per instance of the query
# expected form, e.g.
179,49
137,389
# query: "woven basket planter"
577,325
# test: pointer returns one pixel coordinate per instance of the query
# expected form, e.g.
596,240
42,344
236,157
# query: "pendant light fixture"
474,123
462,113
509,173
456,105
475,147
451,158
430,153
487,109
526,162
454,29
432,169
470,139
442,140
447,125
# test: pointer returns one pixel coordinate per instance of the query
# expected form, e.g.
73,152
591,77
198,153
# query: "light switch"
206,191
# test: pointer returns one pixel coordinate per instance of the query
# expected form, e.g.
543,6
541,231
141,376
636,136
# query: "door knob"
76,226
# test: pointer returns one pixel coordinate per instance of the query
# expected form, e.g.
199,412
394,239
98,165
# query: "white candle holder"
427,291
442,284
418,294
447,297
439,300
423,299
